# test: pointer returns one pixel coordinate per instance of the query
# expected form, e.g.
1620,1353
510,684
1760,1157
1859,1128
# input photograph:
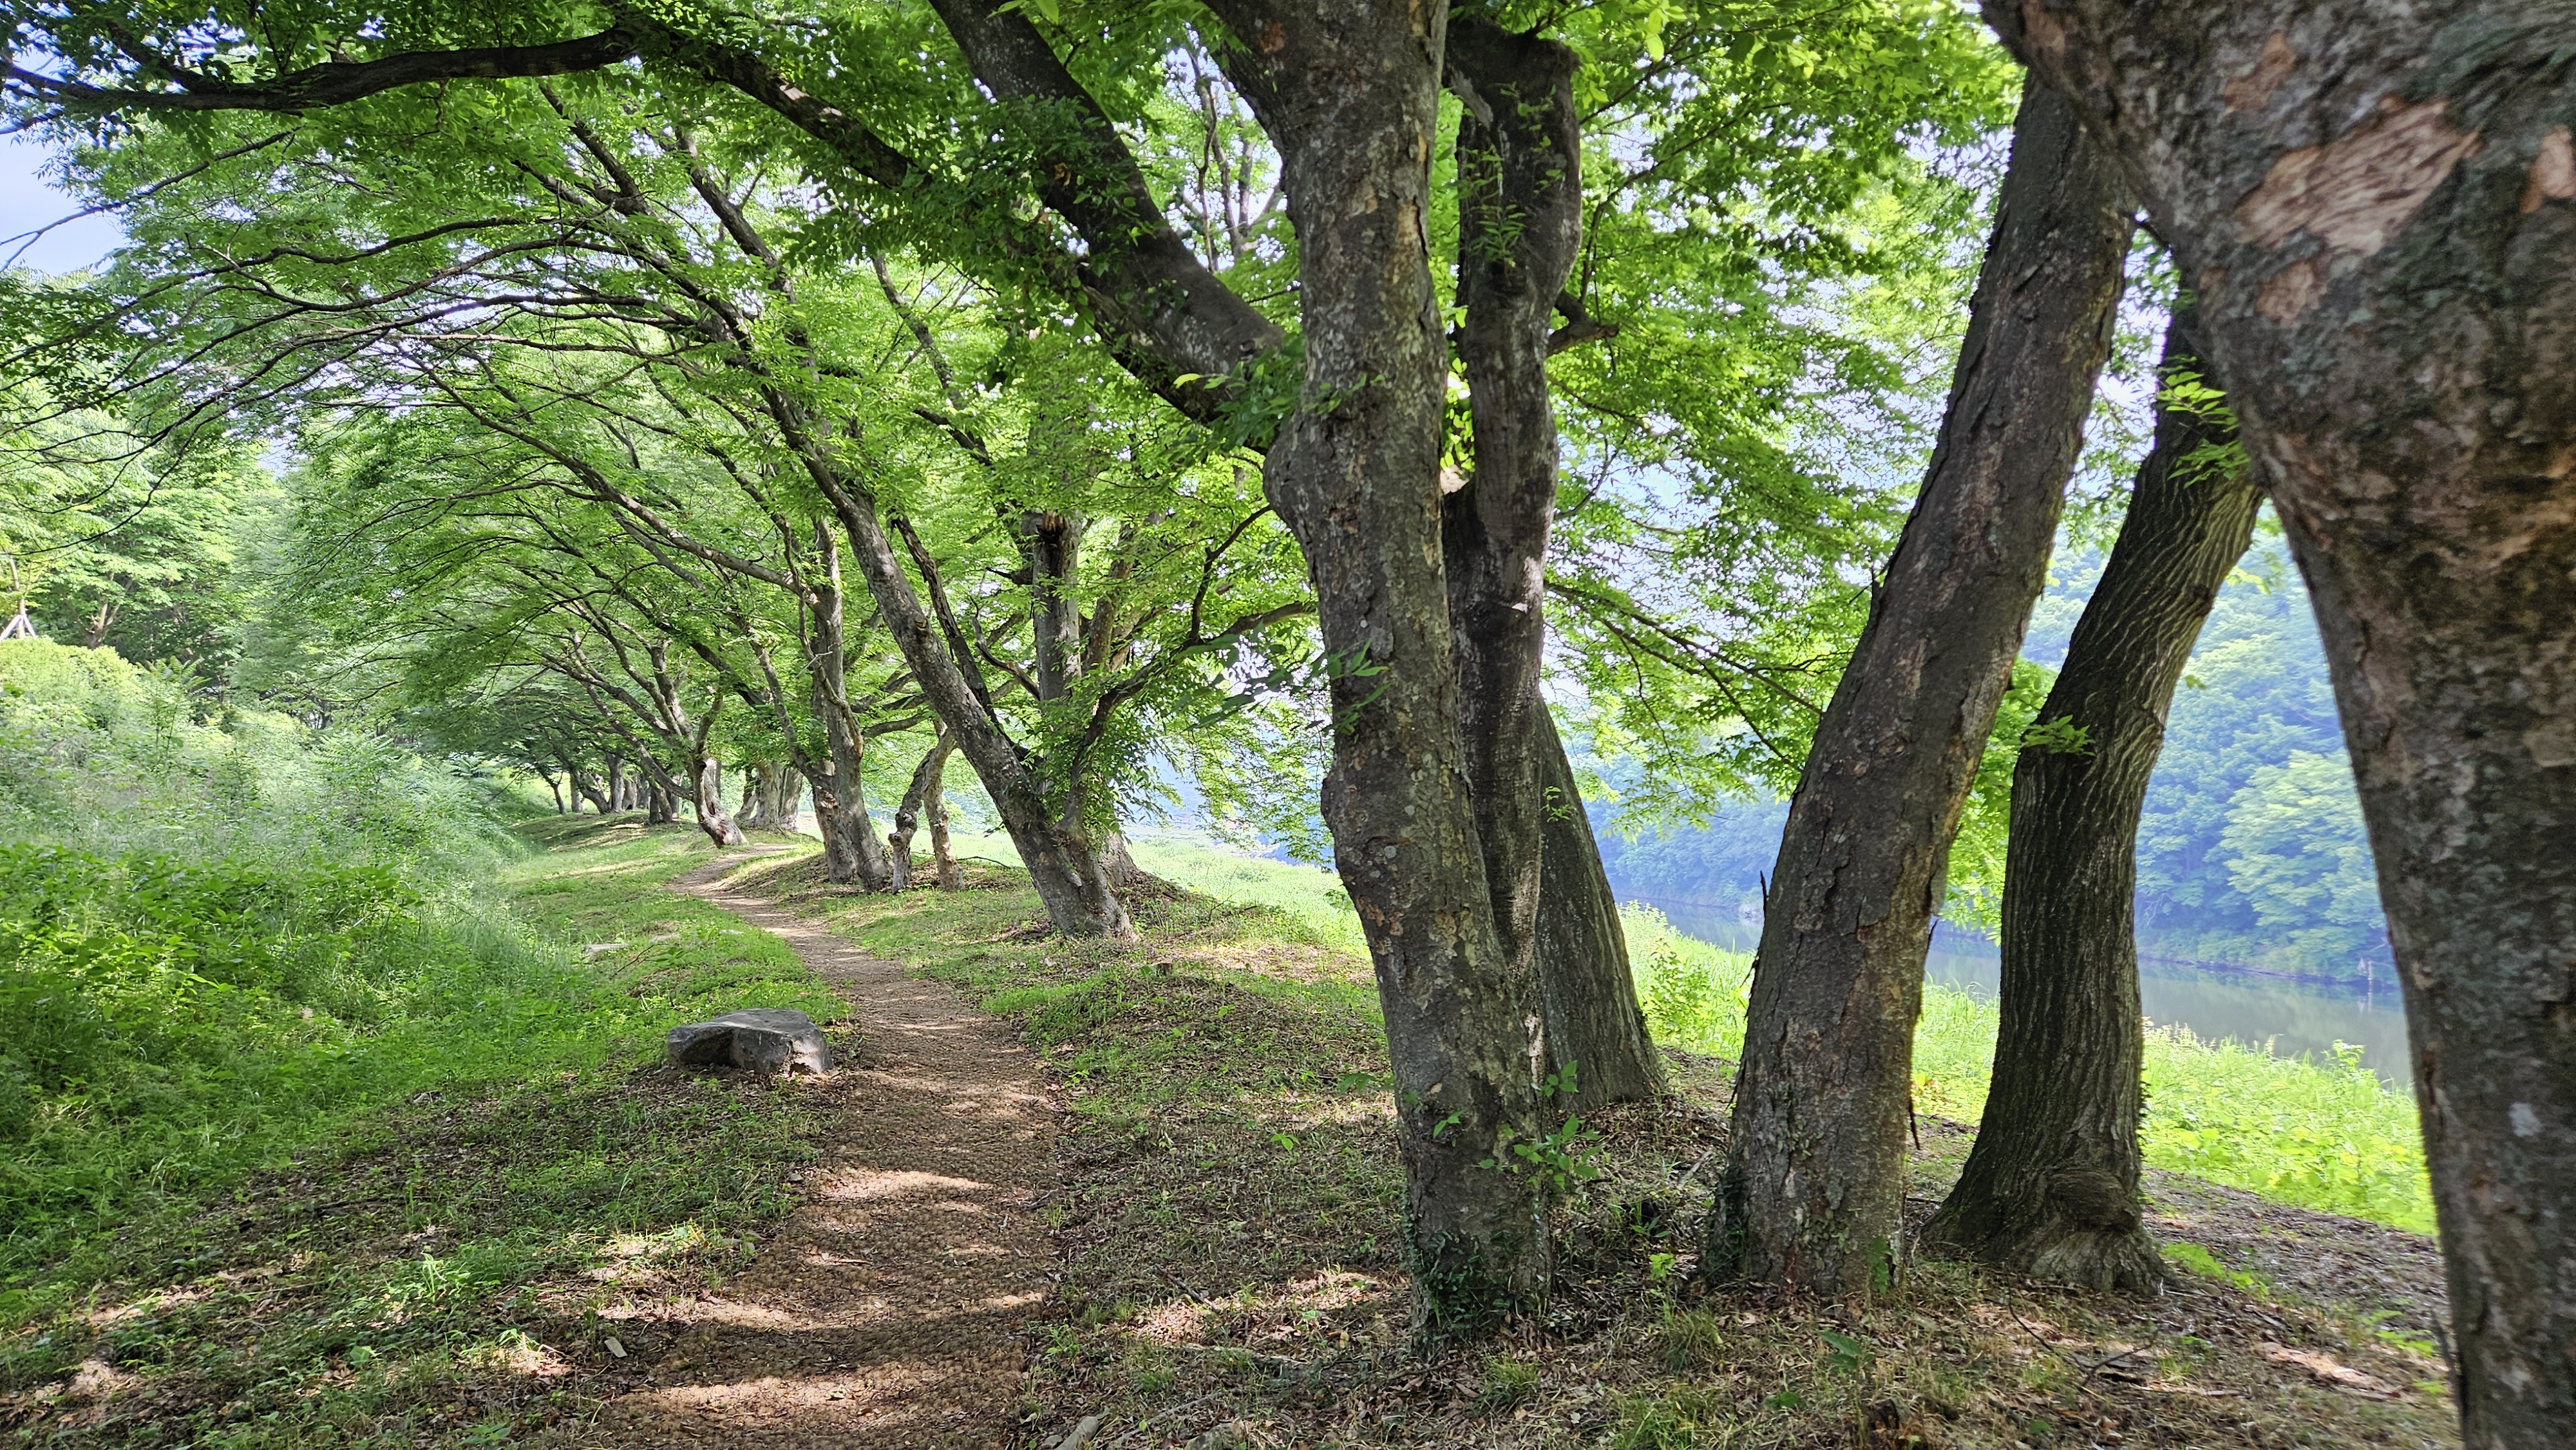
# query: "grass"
1229,1257
408,1264
2320,1134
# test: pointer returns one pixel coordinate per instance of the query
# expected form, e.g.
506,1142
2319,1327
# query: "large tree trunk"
1519,225
1814,1179
1350,95
2051,1186
621,793
2376,205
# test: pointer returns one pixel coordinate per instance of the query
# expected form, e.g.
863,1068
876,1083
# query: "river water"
2292,1017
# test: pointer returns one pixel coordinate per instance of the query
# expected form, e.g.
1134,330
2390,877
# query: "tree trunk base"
2057,1250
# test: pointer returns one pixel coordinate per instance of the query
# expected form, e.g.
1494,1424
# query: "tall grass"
2323,1134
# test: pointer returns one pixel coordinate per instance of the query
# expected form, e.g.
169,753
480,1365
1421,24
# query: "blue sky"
28,201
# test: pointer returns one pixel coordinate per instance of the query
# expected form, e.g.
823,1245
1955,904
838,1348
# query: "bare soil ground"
889,1309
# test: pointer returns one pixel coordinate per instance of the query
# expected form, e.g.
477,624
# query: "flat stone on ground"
761,1039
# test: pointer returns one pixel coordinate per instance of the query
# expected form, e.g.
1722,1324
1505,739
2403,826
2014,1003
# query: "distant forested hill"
2251,850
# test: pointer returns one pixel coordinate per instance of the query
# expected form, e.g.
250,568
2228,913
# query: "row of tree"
591,416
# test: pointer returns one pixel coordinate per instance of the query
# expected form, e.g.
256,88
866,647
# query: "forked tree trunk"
2051,1185
1519,225
1813,1187
707,775
1350,95
917,799
943,861
2376,206
621,789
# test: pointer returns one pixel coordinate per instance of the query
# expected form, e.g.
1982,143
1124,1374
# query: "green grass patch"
382,1227
2322,1134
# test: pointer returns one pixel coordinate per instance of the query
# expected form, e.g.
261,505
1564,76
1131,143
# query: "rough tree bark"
1520,224
1814,1180
2376,206
1587,987
2051,1186
1349,93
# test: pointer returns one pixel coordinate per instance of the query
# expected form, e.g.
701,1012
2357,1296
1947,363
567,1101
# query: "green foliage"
113,542
99,754
2296,849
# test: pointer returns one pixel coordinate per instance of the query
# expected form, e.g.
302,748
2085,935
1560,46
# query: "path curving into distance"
884,1313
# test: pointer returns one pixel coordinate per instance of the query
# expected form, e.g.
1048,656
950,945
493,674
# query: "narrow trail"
883,1312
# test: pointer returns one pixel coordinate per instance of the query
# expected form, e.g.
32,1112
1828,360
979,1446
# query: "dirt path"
883,1312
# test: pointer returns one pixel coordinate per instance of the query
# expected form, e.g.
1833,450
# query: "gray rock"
762,1039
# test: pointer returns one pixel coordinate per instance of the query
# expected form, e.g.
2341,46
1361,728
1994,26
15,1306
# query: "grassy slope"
390,1270
1232,1189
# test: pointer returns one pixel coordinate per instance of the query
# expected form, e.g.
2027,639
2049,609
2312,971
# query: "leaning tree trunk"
1060,861
917,797
2051,1186
1595,1026
1813,1188
1520,208
2376,205
1350,94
